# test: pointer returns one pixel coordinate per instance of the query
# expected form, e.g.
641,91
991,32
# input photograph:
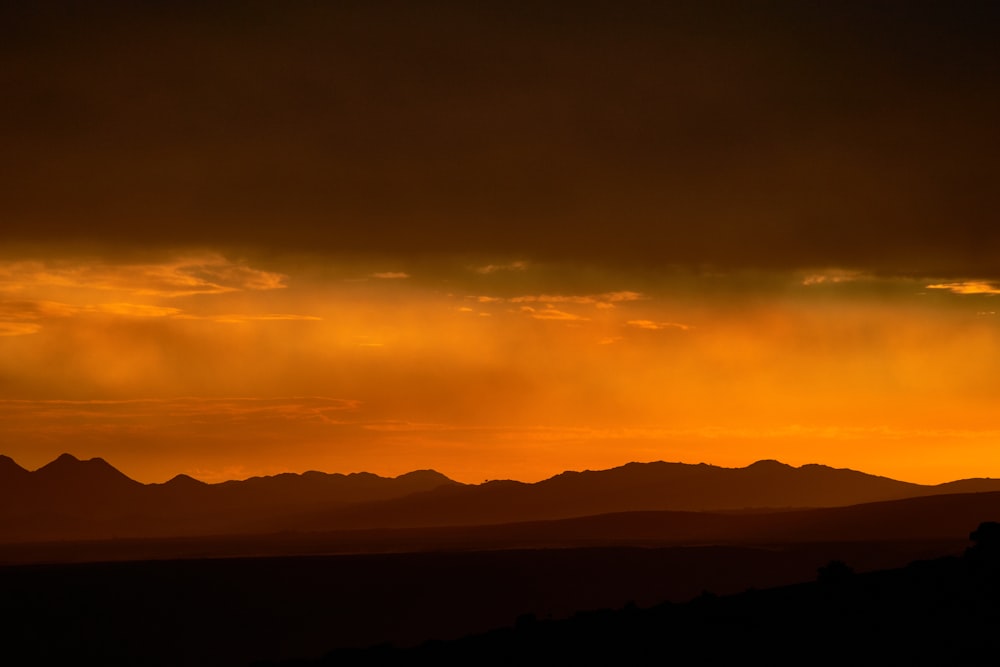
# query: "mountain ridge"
74,499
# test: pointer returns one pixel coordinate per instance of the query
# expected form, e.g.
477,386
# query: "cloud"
35,310
969,287
19,318
494,268
834,276
605,299
650,325
237,319
25,317
189,409
19,328
185,276
550,313
83,288
133,310
390,275
38,310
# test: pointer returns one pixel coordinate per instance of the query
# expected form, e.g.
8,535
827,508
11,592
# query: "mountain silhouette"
71,475
9,467
73,499
658,486
11,474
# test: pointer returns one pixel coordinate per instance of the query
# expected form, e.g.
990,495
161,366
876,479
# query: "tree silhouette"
834,572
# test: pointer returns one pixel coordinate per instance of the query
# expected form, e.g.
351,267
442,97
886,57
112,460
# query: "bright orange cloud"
657,326
551,313
969,287
587,299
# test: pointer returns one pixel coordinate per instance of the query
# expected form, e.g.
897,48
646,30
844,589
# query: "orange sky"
219,367
500,239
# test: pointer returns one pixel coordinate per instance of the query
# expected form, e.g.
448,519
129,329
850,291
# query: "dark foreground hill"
936,612
229,612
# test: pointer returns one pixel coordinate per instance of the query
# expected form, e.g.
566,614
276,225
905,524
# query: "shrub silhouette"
834,572
986,542
987,536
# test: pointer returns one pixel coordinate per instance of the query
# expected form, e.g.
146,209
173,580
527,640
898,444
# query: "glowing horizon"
208,366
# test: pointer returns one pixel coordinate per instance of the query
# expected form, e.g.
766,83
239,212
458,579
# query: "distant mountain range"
70,499
74,499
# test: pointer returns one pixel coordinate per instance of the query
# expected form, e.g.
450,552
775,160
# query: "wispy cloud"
90,288
35,310
495,268
969,287
238,319
587,299
38,310
603,300
133,310
19,328
834,276
650,325
551,313
27,317
20,318
390,275
186,276
188,409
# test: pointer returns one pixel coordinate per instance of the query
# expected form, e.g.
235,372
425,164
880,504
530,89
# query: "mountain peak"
183,480
426,475
60,463
769,464
67,467
68,461
10,466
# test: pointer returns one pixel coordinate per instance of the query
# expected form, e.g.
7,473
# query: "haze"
500,241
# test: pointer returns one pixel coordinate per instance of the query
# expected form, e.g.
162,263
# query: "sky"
500,239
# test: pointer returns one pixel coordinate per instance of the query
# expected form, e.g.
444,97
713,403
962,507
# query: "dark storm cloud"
779,134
